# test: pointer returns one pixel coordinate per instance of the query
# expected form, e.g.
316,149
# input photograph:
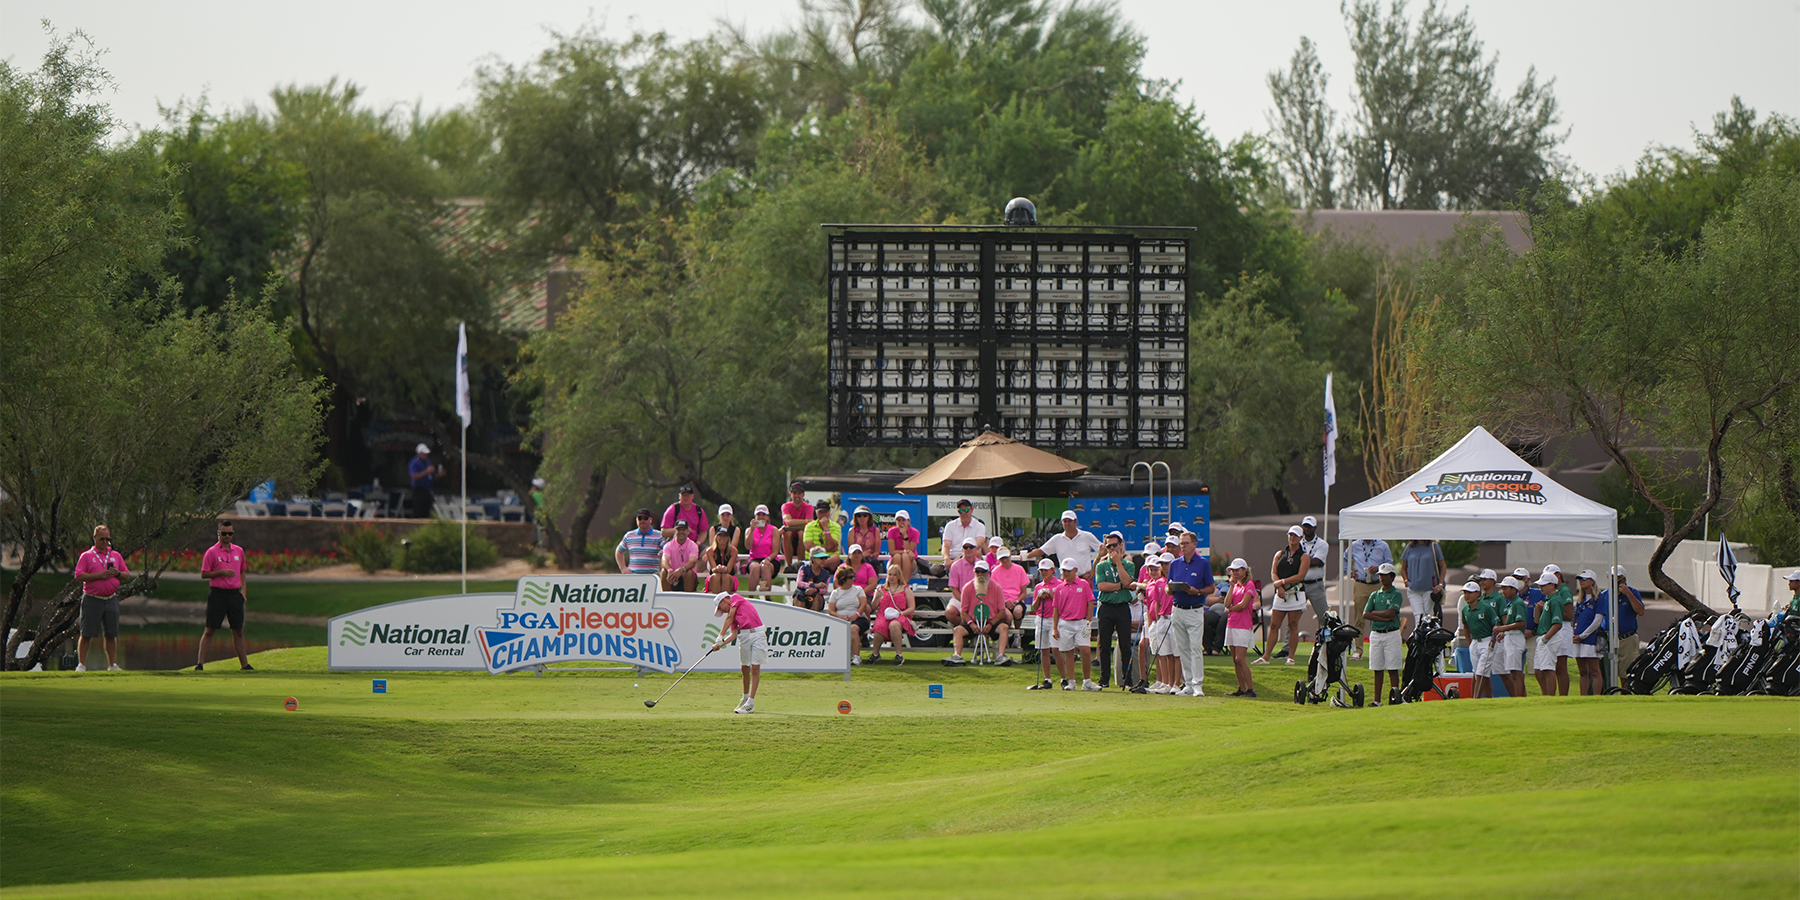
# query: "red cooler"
1462,682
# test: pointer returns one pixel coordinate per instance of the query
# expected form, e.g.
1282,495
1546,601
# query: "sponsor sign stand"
551,619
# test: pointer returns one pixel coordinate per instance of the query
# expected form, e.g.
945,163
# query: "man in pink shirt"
98,569
743,625
222,565
961,572
1013,581
865,573
680,560
1073,604
684,509
796,514
903,546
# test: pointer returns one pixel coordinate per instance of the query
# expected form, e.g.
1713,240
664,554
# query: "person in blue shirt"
423,475
1631,605
1190,584
1589,619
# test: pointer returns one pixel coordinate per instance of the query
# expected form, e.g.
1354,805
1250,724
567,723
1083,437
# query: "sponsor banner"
1518,486
618,619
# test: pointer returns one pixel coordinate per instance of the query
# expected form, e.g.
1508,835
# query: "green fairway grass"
469,785
320,599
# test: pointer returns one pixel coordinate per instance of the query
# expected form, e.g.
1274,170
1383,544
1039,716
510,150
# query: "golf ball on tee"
634,685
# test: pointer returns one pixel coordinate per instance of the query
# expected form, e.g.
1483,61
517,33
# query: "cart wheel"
1299,693
1453,693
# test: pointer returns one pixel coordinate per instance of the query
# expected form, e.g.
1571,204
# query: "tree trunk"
571,553
1282,505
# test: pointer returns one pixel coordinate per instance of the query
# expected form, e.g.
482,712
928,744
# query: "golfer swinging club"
744,626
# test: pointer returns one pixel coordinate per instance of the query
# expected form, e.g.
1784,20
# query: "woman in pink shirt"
761,538
903,546
1240,623
865,573
719,561
892,617
865,534
1159,642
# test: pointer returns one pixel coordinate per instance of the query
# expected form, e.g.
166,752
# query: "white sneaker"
1087,684
1196,691
749,705
1181,692
114,668
1159,688
742,702
954,658
81,667
855,660
1068,685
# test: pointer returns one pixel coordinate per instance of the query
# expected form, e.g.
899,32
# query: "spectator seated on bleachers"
983,613
814,581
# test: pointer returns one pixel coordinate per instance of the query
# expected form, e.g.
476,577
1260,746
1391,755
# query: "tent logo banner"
1516,486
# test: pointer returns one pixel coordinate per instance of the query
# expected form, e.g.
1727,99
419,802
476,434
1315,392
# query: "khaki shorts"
1385,651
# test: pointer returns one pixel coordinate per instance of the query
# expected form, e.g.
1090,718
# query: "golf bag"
1743,673
1655,664
1694,656
1782,676
1423,648
1326,667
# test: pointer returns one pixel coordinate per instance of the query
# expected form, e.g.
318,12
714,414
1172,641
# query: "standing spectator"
684,509
1313,581
1190,584
1072,543
964,527
1586,639
865,532
1113,577
848,602
744,626
796,514
1043,606
223,566
903,546
719,561
1240,616
761,538
864,573
538,516
728,521
98,569
1422,570
1382,611
1366,557
962,571
821,532
1631,605
892,614
1533,599
1506,654
423,475
1013,580
1549,662
1286,571
1071,609
1793,607
680,560
814,581
1477,621
640,550
1159,641
980,591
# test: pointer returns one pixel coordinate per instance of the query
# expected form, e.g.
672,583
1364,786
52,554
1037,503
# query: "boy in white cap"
1793,582
1382,613
1507,657
743,625
1549,663
1475,615
1043,606
1072,610
1158,643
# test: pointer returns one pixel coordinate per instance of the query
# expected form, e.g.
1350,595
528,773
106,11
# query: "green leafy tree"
1585,333
1304,129
129,412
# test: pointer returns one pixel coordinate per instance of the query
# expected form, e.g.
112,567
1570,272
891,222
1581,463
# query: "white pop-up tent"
1479,490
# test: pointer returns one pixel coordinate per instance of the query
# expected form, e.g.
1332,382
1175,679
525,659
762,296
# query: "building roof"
1403,230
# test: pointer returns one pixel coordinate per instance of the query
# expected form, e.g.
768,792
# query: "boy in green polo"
1382,613
1507,658
1548,661
1478,614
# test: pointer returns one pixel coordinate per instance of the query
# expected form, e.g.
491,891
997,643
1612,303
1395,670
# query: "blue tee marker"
935,691
381,685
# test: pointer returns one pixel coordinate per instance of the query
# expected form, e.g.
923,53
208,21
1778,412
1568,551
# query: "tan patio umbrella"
989,460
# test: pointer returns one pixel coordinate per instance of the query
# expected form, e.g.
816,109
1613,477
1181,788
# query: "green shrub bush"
367,546
437,547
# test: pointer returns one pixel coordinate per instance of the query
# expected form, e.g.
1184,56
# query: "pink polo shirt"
802,511
961,572
1012,579
217,557
1157,602
910,536
92,563
864,578
679,553
991,599
742,613
1073,597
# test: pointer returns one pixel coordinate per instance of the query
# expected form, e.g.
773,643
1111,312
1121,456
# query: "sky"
1629,75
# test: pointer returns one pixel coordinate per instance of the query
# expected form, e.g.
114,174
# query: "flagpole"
465,412
1329,468
463,464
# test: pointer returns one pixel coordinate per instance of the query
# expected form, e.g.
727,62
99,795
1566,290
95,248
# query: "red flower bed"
261,562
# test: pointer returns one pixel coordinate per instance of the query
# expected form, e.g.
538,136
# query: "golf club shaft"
690,669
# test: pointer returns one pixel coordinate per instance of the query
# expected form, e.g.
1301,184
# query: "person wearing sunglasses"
223,566
99,571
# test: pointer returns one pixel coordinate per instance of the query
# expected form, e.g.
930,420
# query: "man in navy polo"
1190,584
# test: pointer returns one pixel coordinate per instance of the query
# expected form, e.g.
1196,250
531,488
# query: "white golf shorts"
1512,653
1071,633
1239,637
1478,654
1384,651
752,647
951,604
1162,637
1565,641
1543,654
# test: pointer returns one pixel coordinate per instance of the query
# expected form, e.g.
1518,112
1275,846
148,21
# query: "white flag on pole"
1728,569
462,375
1331,435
